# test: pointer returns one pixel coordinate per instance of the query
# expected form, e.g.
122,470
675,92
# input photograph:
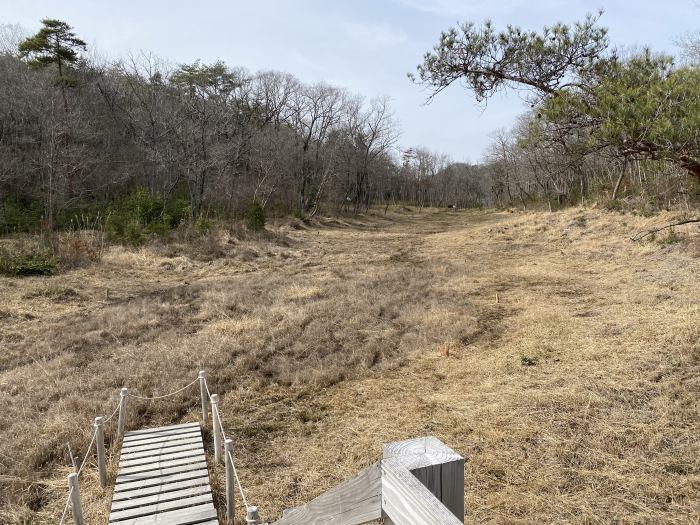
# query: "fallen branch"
641,236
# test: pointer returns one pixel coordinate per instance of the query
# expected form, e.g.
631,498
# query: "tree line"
78,134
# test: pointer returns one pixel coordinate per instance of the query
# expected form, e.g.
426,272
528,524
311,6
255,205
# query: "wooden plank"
160,507
163,445
137,476
187,516
131,440
163,479
141,499
155,430
164,489
353,502
165,439
148,483
155,458
160,465
406,501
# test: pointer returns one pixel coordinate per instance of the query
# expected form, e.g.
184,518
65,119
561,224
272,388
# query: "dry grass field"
558,356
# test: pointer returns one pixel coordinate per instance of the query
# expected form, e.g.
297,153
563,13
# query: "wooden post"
215,427
72,458
122,410
436,467
230,499
251,517
101,458
75,499
203,393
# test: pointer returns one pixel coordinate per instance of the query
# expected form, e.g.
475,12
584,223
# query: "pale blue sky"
363,45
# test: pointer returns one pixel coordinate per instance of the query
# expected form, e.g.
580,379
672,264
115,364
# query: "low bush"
19,217
23,262
141,214
255,218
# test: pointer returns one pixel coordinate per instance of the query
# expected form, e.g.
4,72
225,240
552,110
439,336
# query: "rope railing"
113,414
65,508
231,471
238,480
87,453
97,439
152,398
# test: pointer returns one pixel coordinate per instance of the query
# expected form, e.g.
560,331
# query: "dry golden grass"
559,357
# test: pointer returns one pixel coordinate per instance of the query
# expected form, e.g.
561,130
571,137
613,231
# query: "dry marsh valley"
558,356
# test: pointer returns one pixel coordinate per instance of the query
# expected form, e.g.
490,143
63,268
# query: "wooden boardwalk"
163,479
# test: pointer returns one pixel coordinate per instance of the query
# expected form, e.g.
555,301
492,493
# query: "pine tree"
55,43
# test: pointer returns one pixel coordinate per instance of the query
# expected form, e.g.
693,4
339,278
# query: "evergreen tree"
57,44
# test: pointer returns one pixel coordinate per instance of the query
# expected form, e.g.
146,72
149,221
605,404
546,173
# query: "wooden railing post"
215,424
203,393
422,483
75,499
122,410
251,517
230,500
100,445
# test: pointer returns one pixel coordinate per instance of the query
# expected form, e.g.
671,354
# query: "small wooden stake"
252,516
122,410
203,393
101,458
230,499
215,427
75,499
72,458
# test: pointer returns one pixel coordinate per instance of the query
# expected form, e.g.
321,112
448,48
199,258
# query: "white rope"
221,426
164,395
206,387
113,413
238,481
87,452
235,472
65,509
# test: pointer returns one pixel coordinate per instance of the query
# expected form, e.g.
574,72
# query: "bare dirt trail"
559,357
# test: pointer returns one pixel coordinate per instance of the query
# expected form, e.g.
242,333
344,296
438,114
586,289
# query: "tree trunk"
619,179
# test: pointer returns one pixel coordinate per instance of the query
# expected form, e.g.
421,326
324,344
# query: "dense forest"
83,139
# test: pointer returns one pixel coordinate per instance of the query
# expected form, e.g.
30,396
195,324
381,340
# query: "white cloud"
374,35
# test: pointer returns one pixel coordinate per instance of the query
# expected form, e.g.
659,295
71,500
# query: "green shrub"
18,217
139,214
202,226
30,262
133,233
144,207
256,217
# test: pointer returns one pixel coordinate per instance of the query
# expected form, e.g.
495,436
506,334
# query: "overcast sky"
367,46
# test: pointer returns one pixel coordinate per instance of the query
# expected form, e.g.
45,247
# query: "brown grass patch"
559,357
